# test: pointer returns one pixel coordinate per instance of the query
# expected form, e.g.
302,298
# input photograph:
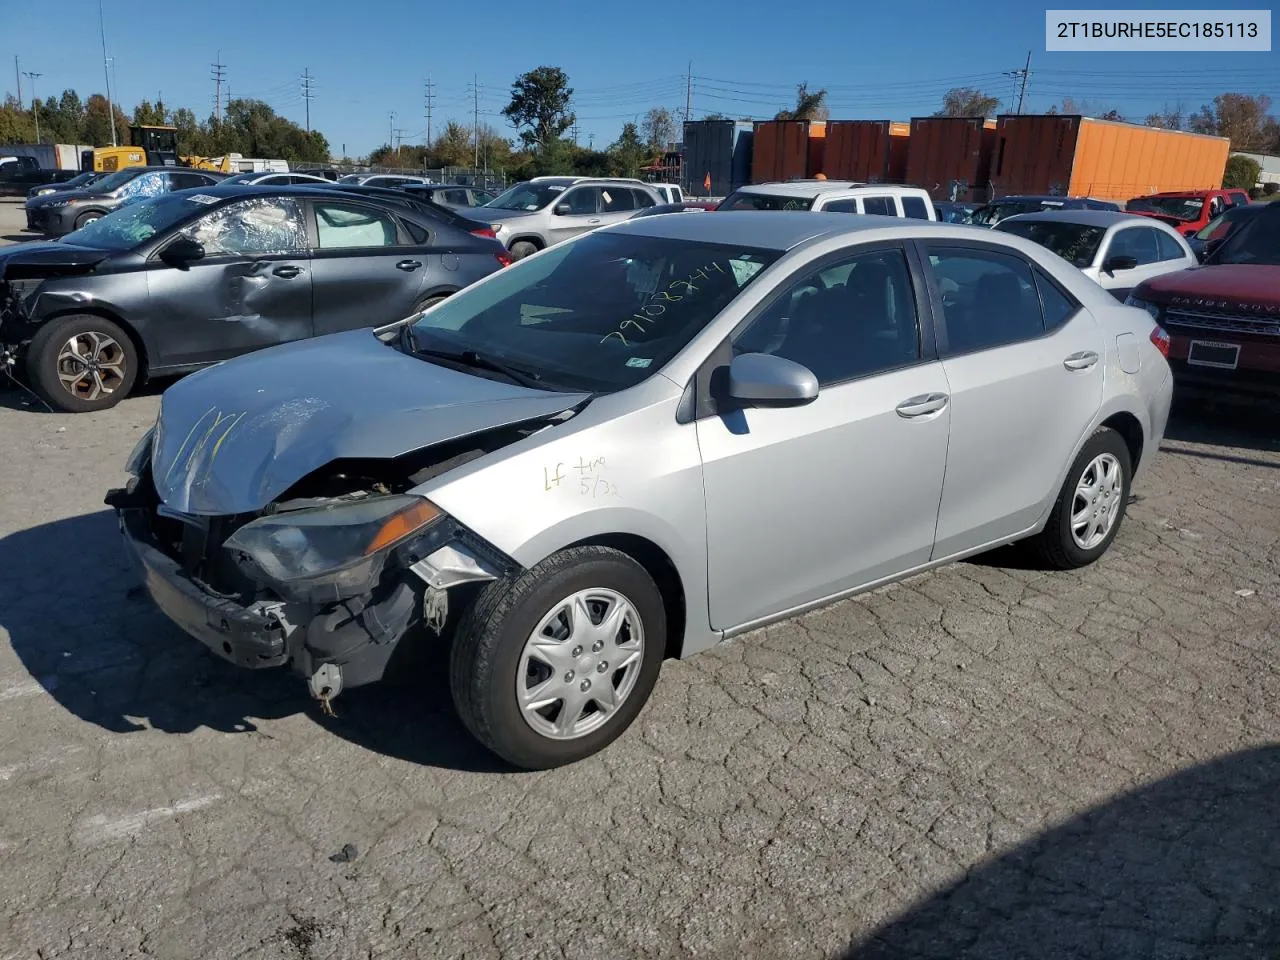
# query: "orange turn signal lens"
400,525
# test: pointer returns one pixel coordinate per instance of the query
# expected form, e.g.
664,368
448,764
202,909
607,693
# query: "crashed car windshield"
1180,208
526,196
1074,242
599,314
129,226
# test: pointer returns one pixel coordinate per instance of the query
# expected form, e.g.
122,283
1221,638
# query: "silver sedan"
635,445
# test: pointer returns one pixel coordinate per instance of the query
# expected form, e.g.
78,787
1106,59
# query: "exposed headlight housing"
1152,309
141,454
59,203
336,549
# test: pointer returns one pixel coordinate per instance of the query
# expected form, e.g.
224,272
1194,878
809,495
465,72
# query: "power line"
430,103
35,101
307,95
219,74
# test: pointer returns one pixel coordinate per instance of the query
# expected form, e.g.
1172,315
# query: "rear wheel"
82,363
1091,505
428,302
523,248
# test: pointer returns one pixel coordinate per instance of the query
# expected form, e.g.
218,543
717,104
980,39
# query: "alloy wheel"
91,365
1096,504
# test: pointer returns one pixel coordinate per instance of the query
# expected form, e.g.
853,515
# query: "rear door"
366,269
252,288
1024,364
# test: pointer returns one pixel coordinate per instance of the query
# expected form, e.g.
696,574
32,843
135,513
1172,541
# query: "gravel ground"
987,761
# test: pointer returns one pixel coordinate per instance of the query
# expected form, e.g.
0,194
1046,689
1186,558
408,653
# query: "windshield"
763,201
113,180
1073,242
352,178
1256,242
600,313
1180,208
1221,225
129,226
527,196
241,178
993,213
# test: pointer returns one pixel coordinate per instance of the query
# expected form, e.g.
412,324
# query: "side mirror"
182,252
1209,248
563,209
764,380
1112,264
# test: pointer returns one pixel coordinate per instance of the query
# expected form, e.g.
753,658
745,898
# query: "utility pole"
35,102
391,128
1026,72
219,77
430,102
17,72
475,122
106,72
688,95
307,95
574,133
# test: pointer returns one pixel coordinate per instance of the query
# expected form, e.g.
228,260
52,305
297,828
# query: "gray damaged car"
635,445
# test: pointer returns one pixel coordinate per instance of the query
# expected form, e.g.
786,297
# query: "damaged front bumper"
334,645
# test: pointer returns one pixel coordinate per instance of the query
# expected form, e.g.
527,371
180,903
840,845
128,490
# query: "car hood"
233,438
74,196
50,258
494,214
1223,285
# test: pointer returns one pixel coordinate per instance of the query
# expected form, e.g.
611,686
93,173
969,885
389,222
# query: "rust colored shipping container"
1108,160
950,156
866,150
786,150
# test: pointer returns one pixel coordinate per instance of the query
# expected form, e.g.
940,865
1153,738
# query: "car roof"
782,230
1085,218
801,188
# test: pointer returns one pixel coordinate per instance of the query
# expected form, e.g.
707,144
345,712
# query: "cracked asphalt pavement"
987,761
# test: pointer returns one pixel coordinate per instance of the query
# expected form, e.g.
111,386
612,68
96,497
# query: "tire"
488,658
523,248
426,302
117,359
87,218
1057,545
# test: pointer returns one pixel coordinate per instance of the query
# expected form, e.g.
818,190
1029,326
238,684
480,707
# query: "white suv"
834,196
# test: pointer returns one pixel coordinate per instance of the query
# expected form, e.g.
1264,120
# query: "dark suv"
1223,318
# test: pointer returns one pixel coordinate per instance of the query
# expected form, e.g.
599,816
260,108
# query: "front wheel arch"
139,345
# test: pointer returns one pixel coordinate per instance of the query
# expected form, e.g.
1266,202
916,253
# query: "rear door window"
915,208
989,299
842,206
347,226
616,200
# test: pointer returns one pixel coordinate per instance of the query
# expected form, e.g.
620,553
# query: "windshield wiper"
480,361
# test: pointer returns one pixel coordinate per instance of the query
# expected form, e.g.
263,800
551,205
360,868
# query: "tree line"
248,127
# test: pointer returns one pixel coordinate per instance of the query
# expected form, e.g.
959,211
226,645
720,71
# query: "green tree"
16,124
810,105
1167,118
1242,172
453,147
539,106
151,114
554,158
968,102
97,122
629,151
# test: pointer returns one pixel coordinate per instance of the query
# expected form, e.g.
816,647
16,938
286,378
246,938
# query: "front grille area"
36,219
1267,325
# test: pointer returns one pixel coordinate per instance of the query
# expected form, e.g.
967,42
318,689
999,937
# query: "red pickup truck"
1187,211
1223,318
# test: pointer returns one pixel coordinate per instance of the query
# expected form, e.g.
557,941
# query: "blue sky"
878,60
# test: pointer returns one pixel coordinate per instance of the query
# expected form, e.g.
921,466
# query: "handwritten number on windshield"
657,303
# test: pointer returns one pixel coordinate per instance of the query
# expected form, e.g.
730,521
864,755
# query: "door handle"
922,405
409,265
287,272
1081,361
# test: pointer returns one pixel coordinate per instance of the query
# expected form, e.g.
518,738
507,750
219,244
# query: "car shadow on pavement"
1187,867
1245,425
87,633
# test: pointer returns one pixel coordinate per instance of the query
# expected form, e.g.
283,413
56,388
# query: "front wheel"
86,218
1091,505
523,248
82,363
551,667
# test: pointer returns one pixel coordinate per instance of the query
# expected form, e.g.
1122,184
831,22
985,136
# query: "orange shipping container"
950,156
1105,159
787,149
873,151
